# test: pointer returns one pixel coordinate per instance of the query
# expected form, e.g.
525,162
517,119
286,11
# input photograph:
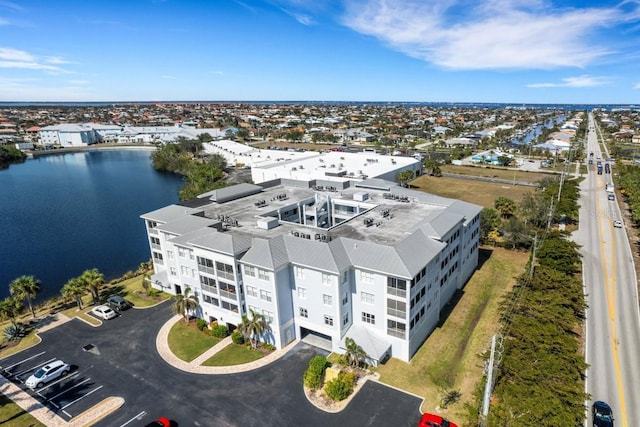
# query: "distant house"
635,139
345,136
465,142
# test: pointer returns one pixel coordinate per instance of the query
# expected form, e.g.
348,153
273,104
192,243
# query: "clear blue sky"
533,51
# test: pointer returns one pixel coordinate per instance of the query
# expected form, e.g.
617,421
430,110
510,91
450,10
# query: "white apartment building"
373,261
68,135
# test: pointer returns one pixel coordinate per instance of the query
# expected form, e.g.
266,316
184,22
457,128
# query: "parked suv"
50,372
117,303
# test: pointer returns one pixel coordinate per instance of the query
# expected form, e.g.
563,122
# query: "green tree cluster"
10,154
340,387
541,377
630,188
314,375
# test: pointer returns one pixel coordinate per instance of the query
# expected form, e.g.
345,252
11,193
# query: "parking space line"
75,374
22,361
17,374
81,397
136,418
69,389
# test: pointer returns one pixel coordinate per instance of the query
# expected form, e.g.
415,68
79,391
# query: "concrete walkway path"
195,366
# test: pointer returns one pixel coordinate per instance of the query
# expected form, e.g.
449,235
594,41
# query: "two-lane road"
613,318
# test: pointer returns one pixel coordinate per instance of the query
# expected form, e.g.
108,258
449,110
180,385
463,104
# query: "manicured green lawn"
187,343
233,354
25,342
14,416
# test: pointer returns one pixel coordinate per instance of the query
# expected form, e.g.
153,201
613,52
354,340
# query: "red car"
431,420
160,422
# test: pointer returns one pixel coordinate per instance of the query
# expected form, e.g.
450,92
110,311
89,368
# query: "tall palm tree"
25,288
93,279
10,308
354,354
74,289
184,303
254,326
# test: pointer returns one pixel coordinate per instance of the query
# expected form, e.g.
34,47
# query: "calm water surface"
65,213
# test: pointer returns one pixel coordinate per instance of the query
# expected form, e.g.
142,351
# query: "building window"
224,270
250,271
397,287
205,265
157,258
328,320
345,298
367,297
170,254
366,277
155,242
208,284
268,316
302,292
211,300
265,295
343,277
396,329
263,274
369,318
299,272
396,308
304,313
191,255
182,252
326,279
229,306
345,319
327,299
227,290
184,270
252,291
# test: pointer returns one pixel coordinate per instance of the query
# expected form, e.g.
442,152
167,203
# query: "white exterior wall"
469,251
378,307
430,302
49,137
260,301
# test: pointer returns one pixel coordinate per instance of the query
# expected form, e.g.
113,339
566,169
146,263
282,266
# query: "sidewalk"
195,367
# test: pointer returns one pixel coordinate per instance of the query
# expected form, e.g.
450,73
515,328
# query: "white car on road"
617,224
50,372
104,312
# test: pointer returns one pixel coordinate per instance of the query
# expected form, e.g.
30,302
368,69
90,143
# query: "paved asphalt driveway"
125,362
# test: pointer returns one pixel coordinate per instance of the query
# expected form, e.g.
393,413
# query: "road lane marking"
81,397
136,418
23,360
68,389
610,293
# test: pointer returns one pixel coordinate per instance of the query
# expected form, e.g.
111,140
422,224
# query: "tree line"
201,173
10,154
630,188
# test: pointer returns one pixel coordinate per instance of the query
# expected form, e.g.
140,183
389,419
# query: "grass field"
479,192
450,356
14,416
233,354
501,173
187,343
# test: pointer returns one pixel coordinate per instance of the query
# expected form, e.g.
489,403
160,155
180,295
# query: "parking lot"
119,359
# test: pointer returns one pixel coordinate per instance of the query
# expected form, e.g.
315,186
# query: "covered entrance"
316,339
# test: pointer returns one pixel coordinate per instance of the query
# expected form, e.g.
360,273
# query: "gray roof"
311,253
229,244
374,257
417,250
186,224
168,213
376,183
232,192
444,221
468,210
270,254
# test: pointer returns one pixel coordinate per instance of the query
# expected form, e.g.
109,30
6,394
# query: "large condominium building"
370,260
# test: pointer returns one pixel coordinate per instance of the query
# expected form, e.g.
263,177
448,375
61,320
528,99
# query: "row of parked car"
113,306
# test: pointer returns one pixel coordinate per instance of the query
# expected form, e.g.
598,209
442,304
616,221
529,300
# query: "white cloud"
300,17
487,34
27,89
636,86
78,82
3,22
10,5
219,73
578,81
14,58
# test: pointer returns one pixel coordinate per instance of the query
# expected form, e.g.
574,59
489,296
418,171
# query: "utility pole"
495,357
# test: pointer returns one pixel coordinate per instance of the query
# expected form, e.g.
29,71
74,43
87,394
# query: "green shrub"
341,387
314,375
15,332
269,347
219,331
237,337
200,324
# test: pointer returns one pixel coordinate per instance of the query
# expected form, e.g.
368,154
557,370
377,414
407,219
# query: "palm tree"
93,279
10,308
354,354
254,326
25,288
74,289
185,303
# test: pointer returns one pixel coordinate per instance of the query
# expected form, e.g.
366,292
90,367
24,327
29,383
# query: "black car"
117,303
602,414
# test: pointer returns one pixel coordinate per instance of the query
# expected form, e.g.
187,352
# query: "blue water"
62,214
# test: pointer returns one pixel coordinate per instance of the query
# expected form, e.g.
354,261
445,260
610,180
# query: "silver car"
49,372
